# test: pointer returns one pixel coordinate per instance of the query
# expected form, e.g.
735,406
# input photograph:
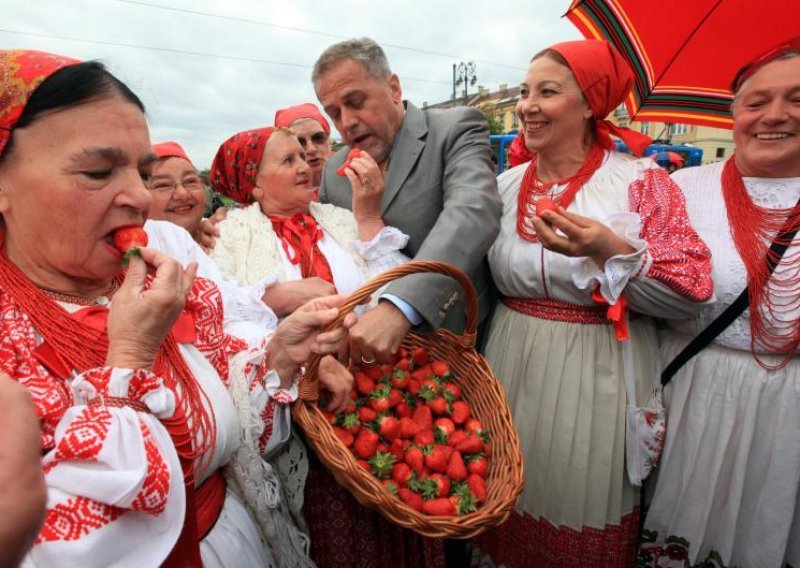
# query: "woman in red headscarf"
728,490
583,228
312,248
141,396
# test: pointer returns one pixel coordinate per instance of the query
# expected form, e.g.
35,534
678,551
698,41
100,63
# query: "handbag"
646,425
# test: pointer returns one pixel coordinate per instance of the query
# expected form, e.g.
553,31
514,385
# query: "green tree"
495,124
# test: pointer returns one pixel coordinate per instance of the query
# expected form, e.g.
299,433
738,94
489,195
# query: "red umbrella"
685,53
668,157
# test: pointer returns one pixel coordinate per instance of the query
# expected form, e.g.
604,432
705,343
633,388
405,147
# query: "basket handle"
309,390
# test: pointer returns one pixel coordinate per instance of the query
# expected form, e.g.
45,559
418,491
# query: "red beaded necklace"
82,347
772,299
532,189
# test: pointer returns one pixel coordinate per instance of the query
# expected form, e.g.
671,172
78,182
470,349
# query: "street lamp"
465,75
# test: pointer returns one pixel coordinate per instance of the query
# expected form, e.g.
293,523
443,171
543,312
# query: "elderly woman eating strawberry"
141,396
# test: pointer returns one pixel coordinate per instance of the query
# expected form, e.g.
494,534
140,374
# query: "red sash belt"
209,500
557,311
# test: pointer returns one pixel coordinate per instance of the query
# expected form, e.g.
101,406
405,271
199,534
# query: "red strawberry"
344,436
386,370
373,372
351,423
440,369
472,444
128,240
382,463
364,385
434,459
400,380
545,204
424,438
424,417
410,498
438,405
473,425
444,425
403,364
353,153
453,389
408,428
379,399
414,458
437,485
366,414
456,470
329,416
462,500
390,486
456,438
389,427
420,356
402,410
439,507
395,398
402,473
487,449
478,465
460,412
477,486
413,387
398,449
421,374
447,451
365,466
366,443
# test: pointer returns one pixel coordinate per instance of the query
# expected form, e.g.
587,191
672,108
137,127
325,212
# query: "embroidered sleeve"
114,480
677,255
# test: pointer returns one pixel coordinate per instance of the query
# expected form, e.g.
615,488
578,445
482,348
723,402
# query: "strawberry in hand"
351,155
128,240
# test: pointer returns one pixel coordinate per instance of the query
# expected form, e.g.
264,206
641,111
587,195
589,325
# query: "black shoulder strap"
733,311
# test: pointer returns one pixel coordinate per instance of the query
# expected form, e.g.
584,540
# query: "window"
720,152
645,128
678,129
514,120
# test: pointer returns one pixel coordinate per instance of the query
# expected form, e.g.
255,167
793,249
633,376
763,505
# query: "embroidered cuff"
388,240
282,395
137,385
619,269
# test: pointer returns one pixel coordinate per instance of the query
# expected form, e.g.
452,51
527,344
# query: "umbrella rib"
685,43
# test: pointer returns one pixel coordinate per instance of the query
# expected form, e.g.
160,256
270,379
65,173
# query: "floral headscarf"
21,73
235,167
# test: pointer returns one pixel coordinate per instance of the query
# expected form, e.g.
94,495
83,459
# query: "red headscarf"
518,152
286,116
21,72
776,52
170,150
235,167
605,79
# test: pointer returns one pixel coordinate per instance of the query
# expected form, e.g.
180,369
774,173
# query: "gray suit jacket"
441,191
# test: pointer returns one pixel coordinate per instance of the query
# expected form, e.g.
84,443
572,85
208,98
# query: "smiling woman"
728,491
137,387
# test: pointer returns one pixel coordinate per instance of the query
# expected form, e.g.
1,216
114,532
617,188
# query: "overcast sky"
223,67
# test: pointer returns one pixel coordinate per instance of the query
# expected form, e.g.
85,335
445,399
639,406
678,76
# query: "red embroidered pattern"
268,416
681,260
152,497
85,435
557,311
76,518
523,541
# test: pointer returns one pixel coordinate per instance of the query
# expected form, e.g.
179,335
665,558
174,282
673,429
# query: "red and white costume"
116,494
560,363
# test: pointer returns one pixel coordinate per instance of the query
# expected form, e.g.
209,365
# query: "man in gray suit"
433,172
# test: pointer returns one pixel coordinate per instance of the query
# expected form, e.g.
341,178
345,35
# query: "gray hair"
363,50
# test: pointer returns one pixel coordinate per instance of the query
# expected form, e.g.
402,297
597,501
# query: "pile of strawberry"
409,427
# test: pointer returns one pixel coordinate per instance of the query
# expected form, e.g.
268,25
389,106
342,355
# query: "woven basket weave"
479,388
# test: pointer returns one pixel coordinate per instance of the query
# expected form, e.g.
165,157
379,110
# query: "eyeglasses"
163,185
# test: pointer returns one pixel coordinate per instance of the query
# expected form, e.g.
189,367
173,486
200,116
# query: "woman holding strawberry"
583,228
139,392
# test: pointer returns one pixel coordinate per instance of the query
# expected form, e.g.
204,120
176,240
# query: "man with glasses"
313,132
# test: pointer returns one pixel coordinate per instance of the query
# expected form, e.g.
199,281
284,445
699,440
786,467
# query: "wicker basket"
479,388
